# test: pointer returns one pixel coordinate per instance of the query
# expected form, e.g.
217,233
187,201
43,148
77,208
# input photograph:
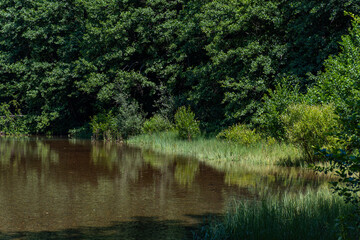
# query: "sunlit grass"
313,215
214,150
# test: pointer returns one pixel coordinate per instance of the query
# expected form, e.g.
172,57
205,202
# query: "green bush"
12,122
103,126
119,124
275,102
130,118
310,126
345,165
339,83
157,123
186,124
241,134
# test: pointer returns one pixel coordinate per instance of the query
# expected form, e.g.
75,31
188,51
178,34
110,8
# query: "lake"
78,189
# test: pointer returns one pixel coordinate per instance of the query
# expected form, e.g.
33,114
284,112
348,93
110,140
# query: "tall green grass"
214,150
302,216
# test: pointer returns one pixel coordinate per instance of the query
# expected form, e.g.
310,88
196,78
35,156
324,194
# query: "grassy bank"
214,150
302,216
312,214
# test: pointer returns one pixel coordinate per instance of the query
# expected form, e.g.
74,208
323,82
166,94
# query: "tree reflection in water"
83,186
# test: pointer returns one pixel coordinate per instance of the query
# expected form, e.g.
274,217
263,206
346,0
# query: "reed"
214,150
313,215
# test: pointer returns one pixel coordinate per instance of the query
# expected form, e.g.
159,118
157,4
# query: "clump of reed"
313,215
212,149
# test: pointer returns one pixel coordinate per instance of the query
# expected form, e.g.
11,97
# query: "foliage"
211,150
186,124
310,215
240,134
11,123
129,119
275,102
252,44
103,126
347,167
62,60
339,83
120,123
309,126
81,132
157,123
345,162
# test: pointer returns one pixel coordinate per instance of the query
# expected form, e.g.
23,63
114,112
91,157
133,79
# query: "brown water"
76,189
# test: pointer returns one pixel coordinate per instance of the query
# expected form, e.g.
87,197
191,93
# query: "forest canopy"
64,62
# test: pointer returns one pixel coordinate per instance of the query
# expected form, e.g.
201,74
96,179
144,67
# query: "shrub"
310,126
339,83
119,124
11,122
186,124
157,123
239,133
275,102
130,118
103,126
345,165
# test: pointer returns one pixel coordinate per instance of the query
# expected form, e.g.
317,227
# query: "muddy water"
63,189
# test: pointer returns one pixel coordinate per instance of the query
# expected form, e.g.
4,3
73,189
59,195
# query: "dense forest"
64,63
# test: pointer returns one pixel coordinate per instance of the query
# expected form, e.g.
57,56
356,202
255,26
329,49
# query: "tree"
340,83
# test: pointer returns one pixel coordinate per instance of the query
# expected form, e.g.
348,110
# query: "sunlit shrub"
271,141
310,126
241,134
275,102
157,123
186,124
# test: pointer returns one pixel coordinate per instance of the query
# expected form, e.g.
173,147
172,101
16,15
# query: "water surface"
76,189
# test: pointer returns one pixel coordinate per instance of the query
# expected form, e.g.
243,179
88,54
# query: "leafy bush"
119,124
339,83
130,118
310,126
239,133
274,104
157,123
345,165
11,123
103,126
186,124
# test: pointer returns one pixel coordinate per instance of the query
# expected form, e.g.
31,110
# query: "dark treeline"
65,61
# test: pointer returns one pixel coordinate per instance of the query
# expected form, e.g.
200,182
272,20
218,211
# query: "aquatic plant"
213,150
300,216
